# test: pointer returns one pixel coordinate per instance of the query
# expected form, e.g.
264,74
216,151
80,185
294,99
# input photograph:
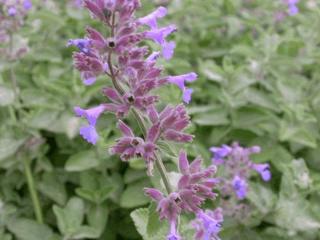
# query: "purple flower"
180,81
27,4
151,19
88,132
84,45
220,153
159,36
292,6
91,114
240,187
208,224
263,170
12,11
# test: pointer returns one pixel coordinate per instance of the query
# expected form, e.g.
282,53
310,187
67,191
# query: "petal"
125,129
168,49
89,133
183,163
186,95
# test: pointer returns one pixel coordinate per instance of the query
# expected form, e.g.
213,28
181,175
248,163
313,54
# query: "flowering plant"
135,76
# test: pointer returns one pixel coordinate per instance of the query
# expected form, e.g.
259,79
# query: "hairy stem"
33,192
159,163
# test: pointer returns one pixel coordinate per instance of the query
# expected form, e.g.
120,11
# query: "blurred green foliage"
259,84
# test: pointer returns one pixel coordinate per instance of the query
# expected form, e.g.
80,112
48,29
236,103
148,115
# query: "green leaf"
52,187
82,161
133,195
140,219
70,218
97,196
9,146
6,96
26,229
98,217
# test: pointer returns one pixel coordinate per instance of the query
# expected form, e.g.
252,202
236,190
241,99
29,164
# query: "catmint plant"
121,58
237,168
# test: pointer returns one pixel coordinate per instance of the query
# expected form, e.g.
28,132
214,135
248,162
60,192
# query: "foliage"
259,84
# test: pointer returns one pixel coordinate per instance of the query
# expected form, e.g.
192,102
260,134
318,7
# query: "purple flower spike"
151,19
12,11
263,170
240,187
27,4
89,133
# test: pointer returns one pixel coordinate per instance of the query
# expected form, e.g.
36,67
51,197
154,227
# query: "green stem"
33,192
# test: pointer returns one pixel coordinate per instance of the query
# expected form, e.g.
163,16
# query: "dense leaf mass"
257,64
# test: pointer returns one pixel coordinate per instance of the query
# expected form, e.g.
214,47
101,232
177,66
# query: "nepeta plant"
133,71
237,169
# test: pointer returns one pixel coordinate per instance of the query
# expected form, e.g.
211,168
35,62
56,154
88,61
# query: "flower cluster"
12,14
292,6
193,188
237,168
133,71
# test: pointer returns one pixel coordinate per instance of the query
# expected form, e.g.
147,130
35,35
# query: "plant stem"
33,192
30,181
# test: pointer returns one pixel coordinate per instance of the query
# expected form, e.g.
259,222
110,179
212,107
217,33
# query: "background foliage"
259,85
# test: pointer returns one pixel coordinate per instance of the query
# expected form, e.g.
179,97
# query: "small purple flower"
220,153
27,4
292,7
180,81
91,114
84,45
240,187
88,132
208,224
151,19
159,36
173,234
12,11
263,170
